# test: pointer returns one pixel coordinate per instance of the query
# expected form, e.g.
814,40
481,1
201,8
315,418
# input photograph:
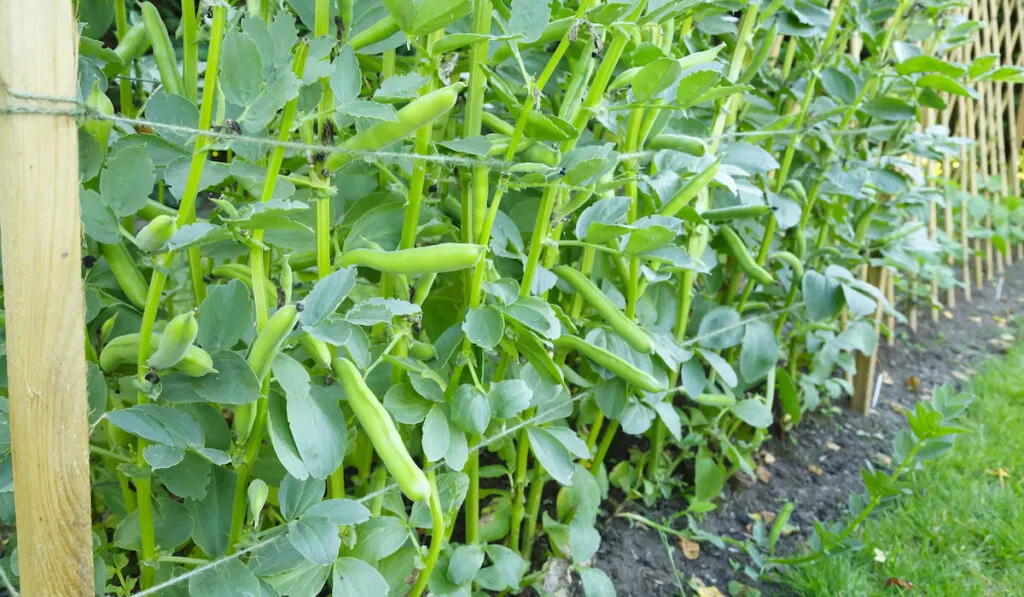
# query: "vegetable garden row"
386,297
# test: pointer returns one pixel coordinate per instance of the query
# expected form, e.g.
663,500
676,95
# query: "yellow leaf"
691,549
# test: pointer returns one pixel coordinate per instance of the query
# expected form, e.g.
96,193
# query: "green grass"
963,534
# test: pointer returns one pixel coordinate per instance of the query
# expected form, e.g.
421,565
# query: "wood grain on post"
864,381
39,219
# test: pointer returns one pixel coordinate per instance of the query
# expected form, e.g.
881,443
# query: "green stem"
606,442
533,511
190,57
321,27
522,461
437,534
124,84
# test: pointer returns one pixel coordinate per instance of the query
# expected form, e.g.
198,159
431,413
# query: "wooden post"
864,381
965,246
890,320
930,118
39,219
947,205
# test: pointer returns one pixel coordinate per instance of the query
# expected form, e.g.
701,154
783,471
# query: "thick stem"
190,57
533,511
602,450
522,462
437,535
124,84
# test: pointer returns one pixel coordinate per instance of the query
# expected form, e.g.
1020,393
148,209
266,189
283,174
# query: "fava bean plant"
386,297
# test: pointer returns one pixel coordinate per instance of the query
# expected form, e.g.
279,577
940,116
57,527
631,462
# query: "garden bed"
635,557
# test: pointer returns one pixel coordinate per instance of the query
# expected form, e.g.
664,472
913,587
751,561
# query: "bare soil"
834,444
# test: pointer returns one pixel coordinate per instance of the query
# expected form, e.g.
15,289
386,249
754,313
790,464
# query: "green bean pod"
863,223
760,55
421,350
683,143
242,273
381,430
718,400
738,212
163,51
409,119
377,32
625,370
100,129
690,189
743,258
317,349
156,233
177,338
435,259
792,261
624,326
124,350
132,45
128,276
270,339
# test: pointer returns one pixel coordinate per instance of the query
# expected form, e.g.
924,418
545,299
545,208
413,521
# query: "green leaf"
944,83
405,405
536,314
316,538
189,478
213,513
318,427
754,413
380,537
655,77
160,456
551,454
528,19
596,583
839,85
823,295
281,437
477,145
982,64
90,156
241,72
720,329
508,563
788,395
96,385
127,180
760,351
695,84
420,17
234,382
304,578
929,64
401,87
584,539
471,411
172,109
436,435
297,496
282,88
466,561
98,219
340,512
225,315
327,295
380,310
172,527
194,235
509,397
228,579
356,578
484,326
160,424
599,216
708,478
1004,74
584,165
890,109
346,78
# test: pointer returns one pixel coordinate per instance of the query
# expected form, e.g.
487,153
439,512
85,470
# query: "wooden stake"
864,381
890,320
965,163
39,216
947,204
933,223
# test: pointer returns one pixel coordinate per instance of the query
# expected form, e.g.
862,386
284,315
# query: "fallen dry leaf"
691,549
960,376
834,447
947,314
763,474
913,383
975,319
883,459
766,517
1000,472
897,582
815,469
886,378
897,407
711,591
768,457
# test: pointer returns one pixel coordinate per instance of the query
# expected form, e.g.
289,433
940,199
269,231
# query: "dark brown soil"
635,556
